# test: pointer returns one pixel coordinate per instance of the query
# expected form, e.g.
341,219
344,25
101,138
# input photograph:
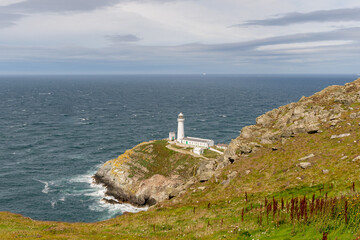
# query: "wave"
85,178
96,193
46,187
53,203
114,210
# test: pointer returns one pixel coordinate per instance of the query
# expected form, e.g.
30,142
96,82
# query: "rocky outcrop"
206,170
150,173
310,115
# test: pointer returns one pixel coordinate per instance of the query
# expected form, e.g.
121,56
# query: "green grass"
176,146
154,158
210,154
222,219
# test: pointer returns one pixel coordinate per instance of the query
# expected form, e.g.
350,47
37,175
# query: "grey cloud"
340,34
336,15
240,53
123,38
60,5
247,52
9,19
10,13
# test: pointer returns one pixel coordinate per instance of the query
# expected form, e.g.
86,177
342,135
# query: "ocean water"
55,131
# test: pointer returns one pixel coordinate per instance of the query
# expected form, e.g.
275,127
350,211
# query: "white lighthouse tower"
180,133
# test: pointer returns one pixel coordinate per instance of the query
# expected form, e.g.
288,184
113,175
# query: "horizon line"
144,74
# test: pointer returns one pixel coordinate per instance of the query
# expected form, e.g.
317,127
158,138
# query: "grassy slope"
215,212
150,158
210,154
154,158
273,173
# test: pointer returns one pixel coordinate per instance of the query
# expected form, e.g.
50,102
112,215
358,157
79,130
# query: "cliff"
325,110
148,173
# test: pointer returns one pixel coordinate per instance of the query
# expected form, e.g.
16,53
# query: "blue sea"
55,131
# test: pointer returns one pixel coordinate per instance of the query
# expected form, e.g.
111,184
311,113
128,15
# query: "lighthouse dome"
181,115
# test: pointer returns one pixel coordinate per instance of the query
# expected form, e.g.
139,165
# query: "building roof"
197,139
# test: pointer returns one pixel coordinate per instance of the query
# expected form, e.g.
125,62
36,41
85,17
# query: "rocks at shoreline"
149,173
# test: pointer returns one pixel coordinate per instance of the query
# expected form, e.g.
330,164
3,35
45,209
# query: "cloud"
336,44
123,38
336,15
9,14
303,46
9,19
340,34
60,6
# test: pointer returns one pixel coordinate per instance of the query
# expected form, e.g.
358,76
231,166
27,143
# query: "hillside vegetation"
293,175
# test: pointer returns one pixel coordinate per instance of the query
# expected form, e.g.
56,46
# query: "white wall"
181,133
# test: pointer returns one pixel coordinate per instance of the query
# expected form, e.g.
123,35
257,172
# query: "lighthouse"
180,133
191,141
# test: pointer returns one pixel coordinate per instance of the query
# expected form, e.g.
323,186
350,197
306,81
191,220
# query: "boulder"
232,175
225,182
205,176
305,165
340,136
307,157
313,128
206,166
265,141
299,111
354,115
249,132
245,148
264,120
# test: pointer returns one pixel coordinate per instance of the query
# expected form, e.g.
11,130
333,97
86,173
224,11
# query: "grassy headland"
302,185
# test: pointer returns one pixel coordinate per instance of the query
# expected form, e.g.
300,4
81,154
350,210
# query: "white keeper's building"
192,141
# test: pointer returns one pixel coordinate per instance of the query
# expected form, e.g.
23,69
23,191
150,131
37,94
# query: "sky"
179,36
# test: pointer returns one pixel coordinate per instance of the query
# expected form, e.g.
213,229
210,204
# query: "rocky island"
151,172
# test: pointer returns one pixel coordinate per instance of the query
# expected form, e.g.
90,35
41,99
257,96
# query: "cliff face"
147,174
312,115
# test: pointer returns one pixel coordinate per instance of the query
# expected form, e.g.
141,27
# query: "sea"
57,130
